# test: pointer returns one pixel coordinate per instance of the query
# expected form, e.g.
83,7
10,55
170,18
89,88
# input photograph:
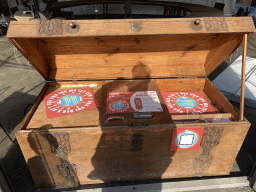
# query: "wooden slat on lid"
111,49
123,27
222,47
116,57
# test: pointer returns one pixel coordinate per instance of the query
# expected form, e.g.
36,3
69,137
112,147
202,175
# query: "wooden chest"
162,55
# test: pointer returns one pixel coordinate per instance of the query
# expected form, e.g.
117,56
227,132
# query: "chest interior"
169,62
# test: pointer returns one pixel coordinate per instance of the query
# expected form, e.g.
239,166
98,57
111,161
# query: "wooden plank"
222,47
119,73
30,114
224,154
30,49
123,27
42,163
201,116
164,56
105,155
181,84
126,44
219,100
243,78
125,60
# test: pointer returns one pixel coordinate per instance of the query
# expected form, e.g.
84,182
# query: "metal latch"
142,116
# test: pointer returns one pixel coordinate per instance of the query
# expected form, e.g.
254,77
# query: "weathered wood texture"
107,154
32,111
201,116
100,54
167,56
103,154
78,149
183,84
123,27
222,47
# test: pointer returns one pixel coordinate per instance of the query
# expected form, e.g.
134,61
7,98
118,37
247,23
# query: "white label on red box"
128,102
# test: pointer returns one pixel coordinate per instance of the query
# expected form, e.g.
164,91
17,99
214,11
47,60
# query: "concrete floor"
20,84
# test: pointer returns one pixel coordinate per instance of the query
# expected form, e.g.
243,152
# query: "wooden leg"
243,79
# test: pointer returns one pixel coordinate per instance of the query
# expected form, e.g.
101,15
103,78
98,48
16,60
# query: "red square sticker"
188,138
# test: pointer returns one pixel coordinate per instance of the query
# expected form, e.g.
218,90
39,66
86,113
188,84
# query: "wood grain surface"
165,55
93,53
130,153
122,27
98,117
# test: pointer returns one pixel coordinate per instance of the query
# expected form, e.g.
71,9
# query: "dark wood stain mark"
113,52
137,40
187,50
137,142
99,40
42,41
106,61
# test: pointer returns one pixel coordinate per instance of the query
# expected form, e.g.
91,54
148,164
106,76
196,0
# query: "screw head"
197,21
72,25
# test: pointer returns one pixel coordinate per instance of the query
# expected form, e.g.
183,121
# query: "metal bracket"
72,27
68,170
215,24
196,25
60,145
50,27
210,139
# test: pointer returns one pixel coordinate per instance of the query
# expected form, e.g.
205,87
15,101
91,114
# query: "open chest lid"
128,48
